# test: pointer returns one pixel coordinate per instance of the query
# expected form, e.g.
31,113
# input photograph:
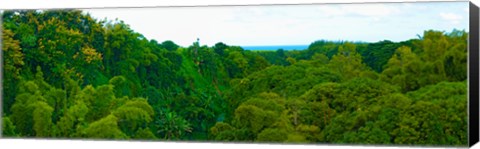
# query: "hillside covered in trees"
67,75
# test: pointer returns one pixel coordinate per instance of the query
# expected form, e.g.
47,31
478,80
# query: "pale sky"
291,24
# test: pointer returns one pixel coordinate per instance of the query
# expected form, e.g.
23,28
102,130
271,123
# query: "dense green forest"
67,75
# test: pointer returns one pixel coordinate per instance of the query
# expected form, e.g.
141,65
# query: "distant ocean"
276,47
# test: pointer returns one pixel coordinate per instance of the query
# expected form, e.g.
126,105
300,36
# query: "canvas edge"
473,64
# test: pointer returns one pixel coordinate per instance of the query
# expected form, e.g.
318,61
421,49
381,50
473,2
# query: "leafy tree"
251,117
72,118
222,132
56,98
377,54
12,63
8,128
133,115
22,109
144,134
101,102
170,45
272,135
403,70
105,128
42,118
347,61
172,127
220,48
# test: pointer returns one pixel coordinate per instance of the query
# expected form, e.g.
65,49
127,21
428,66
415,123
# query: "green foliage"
222,131
56,98
8,128
120,86
308,132
220,127
377,54
347,61
272,135
170,45
73,117
172,126
67,75
12,63
24,106
144,134
403,70
250,117
220,48
132,115
105,128
42,119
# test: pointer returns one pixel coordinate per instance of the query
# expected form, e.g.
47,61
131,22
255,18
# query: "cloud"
451,17
371,10
295,24
331,11
362,10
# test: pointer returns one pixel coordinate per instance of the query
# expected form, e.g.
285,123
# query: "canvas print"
373,73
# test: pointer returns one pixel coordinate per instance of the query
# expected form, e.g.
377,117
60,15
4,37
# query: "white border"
82,144
29,4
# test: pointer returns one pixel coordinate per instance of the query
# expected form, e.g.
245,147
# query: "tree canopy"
68,75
